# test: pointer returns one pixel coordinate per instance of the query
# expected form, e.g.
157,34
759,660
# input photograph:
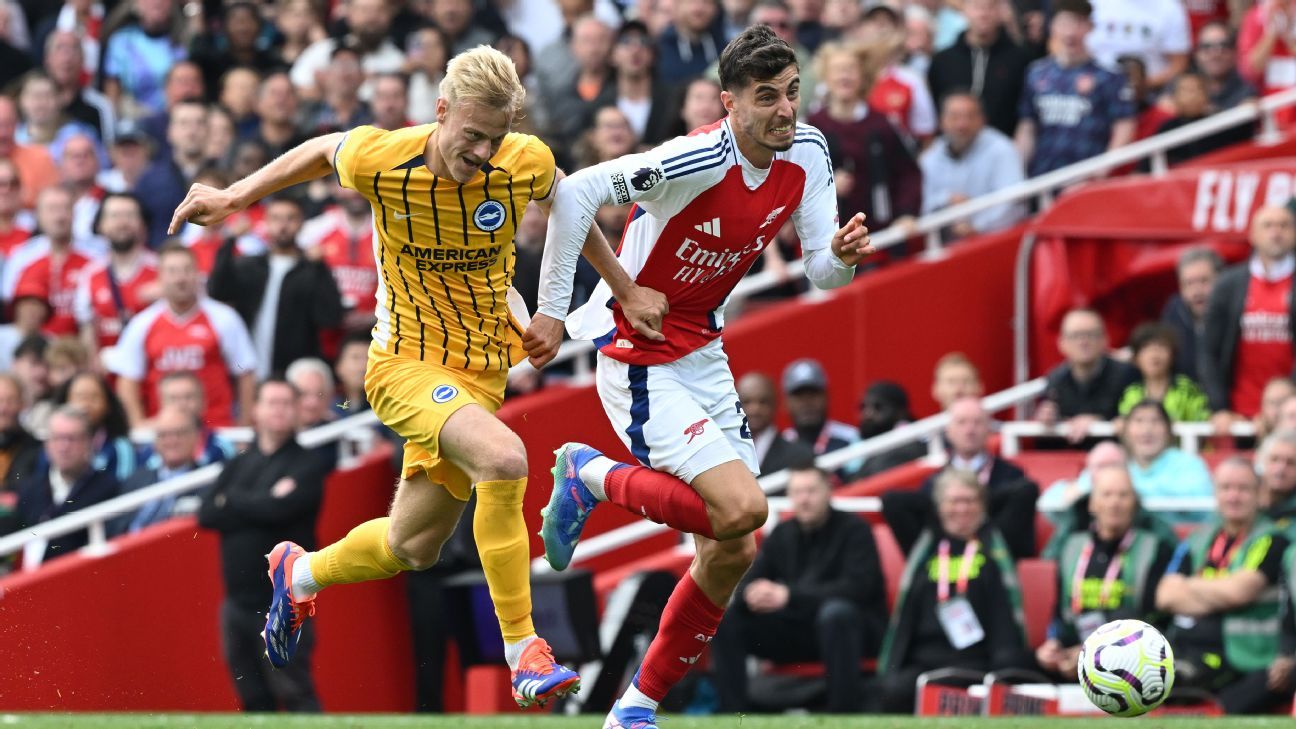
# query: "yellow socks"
502,545
362,555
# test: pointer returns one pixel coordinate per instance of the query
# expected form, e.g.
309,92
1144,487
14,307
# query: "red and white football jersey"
903,96
34,249
348,254
210,341
55,283
97,303
702,215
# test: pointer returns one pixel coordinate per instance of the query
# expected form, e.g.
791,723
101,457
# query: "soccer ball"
1126,668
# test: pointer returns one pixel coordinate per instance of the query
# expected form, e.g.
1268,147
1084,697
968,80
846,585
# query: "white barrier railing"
910,433
1190,434
94,518
1042,189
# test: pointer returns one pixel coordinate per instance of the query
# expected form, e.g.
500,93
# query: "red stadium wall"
137,630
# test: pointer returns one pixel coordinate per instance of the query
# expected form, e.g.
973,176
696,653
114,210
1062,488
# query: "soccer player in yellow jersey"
446,202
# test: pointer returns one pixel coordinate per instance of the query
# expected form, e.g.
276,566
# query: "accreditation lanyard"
1113,569
943,568
1218,557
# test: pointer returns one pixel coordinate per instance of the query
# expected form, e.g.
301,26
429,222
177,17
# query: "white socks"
304,585
513,651
593,474
634,697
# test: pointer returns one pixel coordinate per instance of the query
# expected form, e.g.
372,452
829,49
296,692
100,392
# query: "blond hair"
483,76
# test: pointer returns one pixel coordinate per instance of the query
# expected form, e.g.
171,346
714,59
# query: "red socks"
659,497
688,624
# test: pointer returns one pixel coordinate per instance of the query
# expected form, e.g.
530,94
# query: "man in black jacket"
285,299
759,400
1250,321
1196,270
19,449
68,484
985,62
270,492
1087,387
1011,494
814,593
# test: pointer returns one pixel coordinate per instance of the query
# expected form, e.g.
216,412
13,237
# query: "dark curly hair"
756,53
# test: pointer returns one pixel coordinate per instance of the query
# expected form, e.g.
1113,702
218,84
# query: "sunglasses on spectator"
1215,46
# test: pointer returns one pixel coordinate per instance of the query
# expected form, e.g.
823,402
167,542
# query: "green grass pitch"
378,721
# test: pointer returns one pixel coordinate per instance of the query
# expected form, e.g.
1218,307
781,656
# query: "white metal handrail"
779,505
94,518
1041,188
1190,434
910,433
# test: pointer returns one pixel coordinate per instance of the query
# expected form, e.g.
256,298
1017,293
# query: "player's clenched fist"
851,243
204,205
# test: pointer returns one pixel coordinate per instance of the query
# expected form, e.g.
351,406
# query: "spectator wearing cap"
1155,31
1153,348
1248,338
339,107
137,57
805,387
369,23
1071,108
1086,387
162,186
1011,494
129,155
970,160
1185,311
759,398
985,62
36,168
65,64
69,483
1216,58
692,41
648,105
885,407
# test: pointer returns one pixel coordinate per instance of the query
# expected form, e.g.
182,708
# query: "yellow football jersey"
444,251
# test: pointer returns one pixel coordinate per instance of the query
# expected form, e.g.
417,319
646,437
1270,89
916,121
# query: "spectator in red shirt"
113,290
1249,321
342,237
15,223
1267,45
44,273
185,332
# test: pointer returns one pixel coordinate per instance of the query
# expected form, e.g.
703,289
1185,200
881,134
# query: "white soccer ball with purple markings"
1126,668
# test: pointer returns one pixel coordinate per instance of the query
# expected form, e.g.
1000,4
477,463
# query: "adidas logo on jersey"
710,227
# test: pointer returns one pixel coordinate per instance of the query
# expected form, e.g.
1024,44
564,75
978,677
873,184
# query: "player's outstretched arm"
571,232
206,205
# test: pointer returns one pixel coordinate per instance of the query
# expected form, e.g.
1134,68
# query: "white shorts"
682,417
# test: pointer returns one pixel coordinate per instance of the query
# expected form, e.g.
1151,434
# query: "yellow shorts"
416,398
